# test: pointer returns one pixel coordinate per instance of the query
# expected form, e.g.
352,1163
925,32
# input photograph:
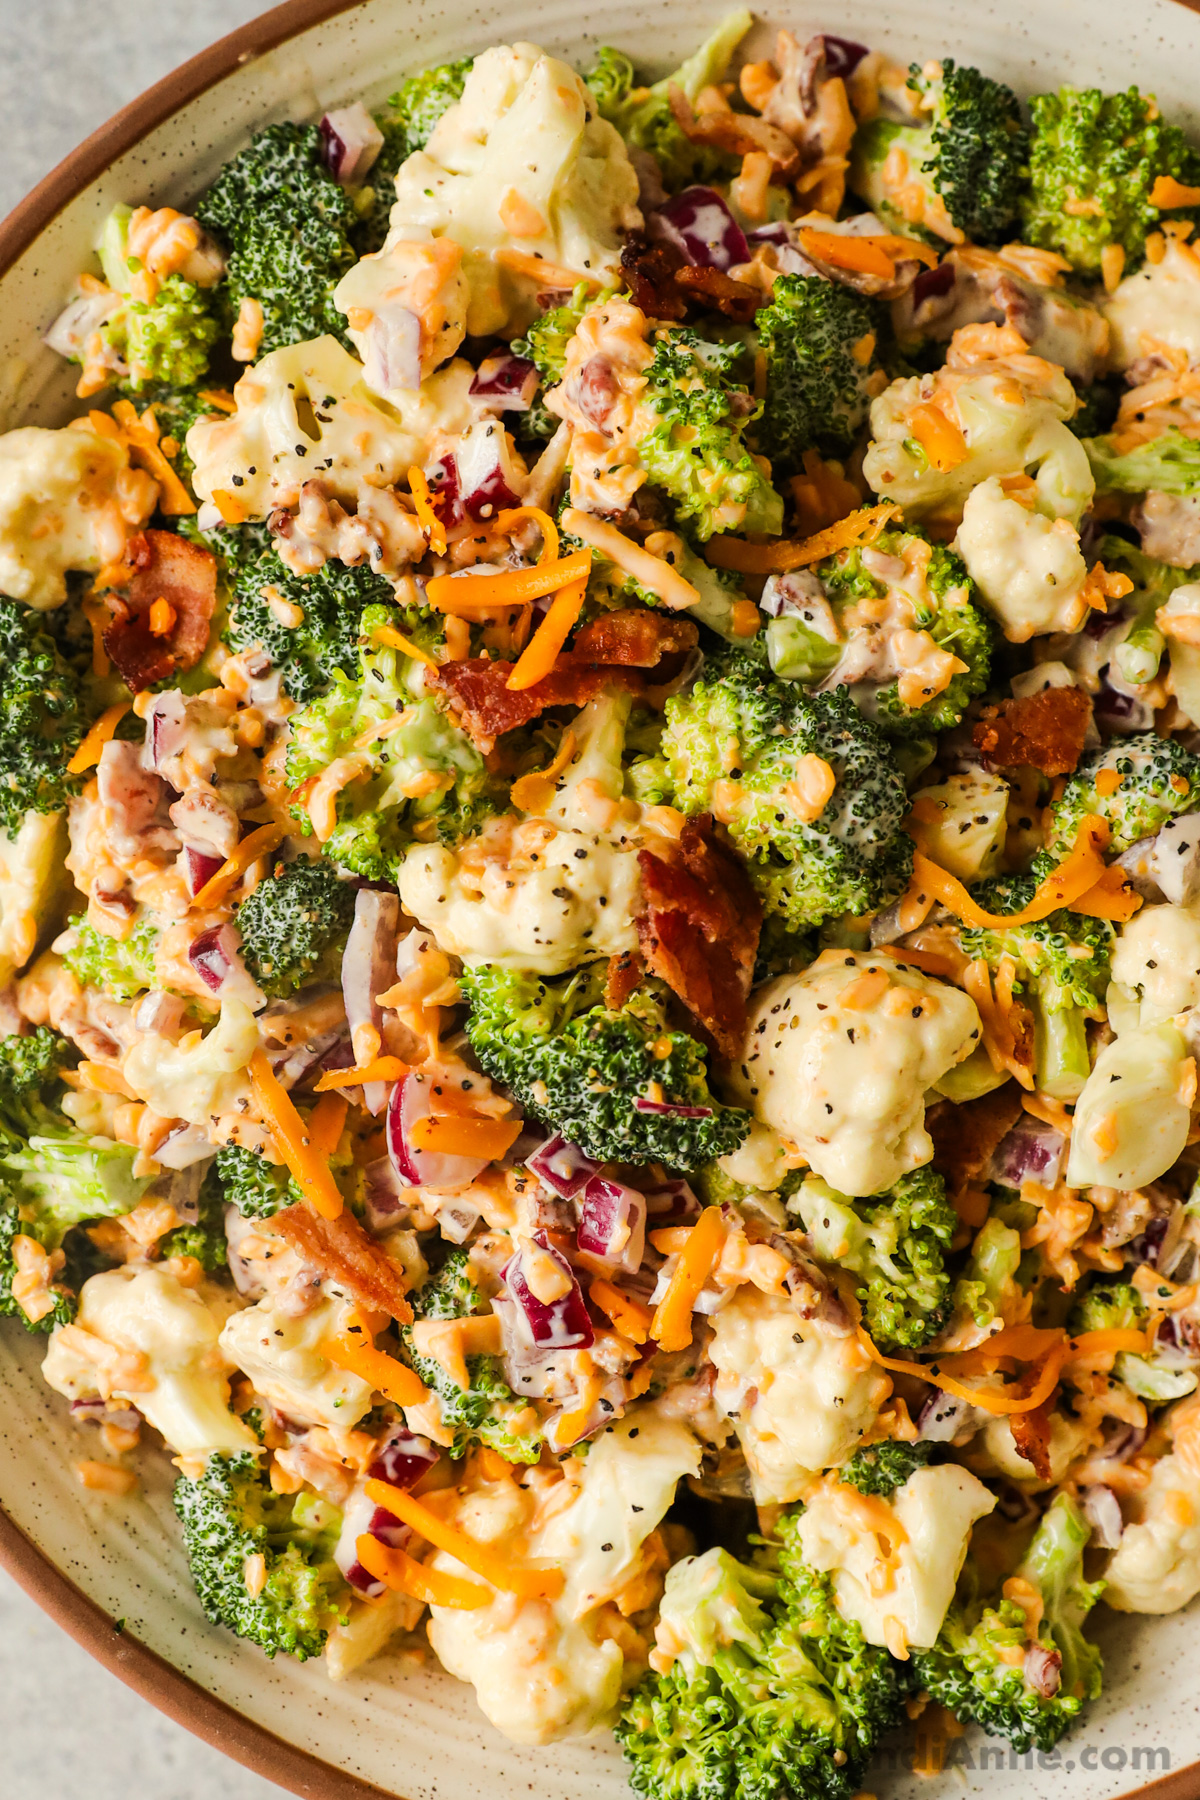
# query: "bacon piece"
342,1252
650,270
700,929
1044,731
171,568
1031,1437
736,299
621,978
611,652
739,134
966,1137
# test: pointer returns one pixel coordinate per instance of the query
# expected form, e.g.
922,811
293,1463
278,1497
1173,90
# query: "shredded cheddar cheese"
305,1162
470,596
88,753
259,843
784,555
671,1327
529,1583
435,1587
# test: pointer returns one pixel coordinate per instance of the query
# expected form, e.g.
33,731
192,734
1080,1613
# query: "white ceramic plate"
387,1731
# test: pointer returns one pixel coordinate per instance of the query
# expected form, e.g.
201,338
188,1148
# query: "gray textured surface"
68,1726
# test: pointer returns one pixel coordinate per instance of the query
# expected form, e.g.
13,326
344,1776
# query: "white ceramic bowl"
387,1732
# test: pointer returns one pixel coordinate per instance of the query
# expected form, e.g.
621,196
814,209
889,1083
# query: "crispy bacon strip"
611,652
1044,731
1031,1437
736,299
965,1137
164,567
700,929
740,134
341,1251
621,978
650,271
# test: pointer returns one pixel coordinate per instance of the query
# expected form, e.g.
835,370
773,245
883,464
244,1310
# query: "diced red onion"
612,1224
198,867
562,1167
383,1195
671,1109
1124,1442
445,490
79,320
186,1145
159,1012
350,143
457,1219
842,55
166,730
505,383
1102,1510
98,1412
786,594
367,964
566,1428
410,1101
213,955
942,1417
487,473
701,227
402,1459
1030,1152
361,1516
561,1324
392,350
1043,1670
672,1204
933,284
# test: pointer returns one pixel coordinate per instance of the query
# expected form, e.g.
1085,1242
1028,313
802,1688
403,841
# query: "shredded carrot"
629,1316
380,1068
534,792
460,1136
546,274
434,1586
541,652
231,510
514,516
1167,193
396,640
989,1399
939,437
468,596
294,1139
97,617
1113,897
88,753
932,962
1107,1343
671,1327
1064,886
259,843
528,1582
784,555
427,518
387,1376
326,1123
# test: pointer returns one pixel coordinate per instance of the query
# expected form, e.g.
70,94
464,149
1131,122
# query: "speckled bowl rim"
143,1670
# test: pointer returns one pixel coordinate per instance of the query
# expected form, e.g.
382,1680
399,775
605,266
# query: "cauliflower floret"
1133,1116
1157,309
68,500
1029,569
199,1078
1157,961
895,1562
141,1336
281,1355
1179,621
546,1669
1156,1566
31,871
840,1057
800,1396
1069,1438
407,308
991,410
306,411
523,167
546,901
964,821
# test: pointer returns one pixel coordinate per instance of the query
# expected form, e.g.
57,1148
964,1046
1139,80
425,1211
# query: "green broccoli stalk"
989,1279
942,603
205,1237
974,1669
732,745
1093,161
1063,965
1140,651
286,224
487,1411
772,1695
968,156
122,967
257,1188
643,115
896,1244
819,339
231,1514
1168,464
882,1468
695,451
425,779
294,927
43,718
1159,780
406,122
582,1068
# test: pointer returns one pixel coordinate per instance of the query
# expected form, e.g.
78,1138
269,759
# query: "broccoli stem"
1060,1050
798,654
1142,651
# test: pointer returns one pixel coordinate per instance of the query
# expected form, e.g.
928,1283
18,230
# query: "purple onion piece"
199,866
1121,713
562,1324
842,55
445,490
98,1412
506,382
361,1516
932,284
350,143
672,1204
612,1224
671,1109
383,1195
410,1101
213,955
402,1459
487,473
701,227
775,233
1102,1510
942,1417
166,729
367,965
562,1167
392,351
1043,1670
1031,1152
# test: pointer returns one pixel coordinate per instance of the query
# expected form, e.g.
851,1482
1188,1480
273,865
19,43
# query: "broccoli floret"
255,1186
643,114
977,1667
169,338
896,1243
1063,965
287,225
294,926
42,718
942,604
582,1068
732,745
1168,464
1093,162
230,1513
882,1468
122,967
205,1237
30,1088
545,344
1140,651
773,1696
1159,779
968,156
988,1281
379,815
485,1411
695,451
819,339
1108,1306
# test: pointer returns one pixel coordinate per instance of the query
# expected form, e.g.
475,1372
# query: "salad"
600,893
